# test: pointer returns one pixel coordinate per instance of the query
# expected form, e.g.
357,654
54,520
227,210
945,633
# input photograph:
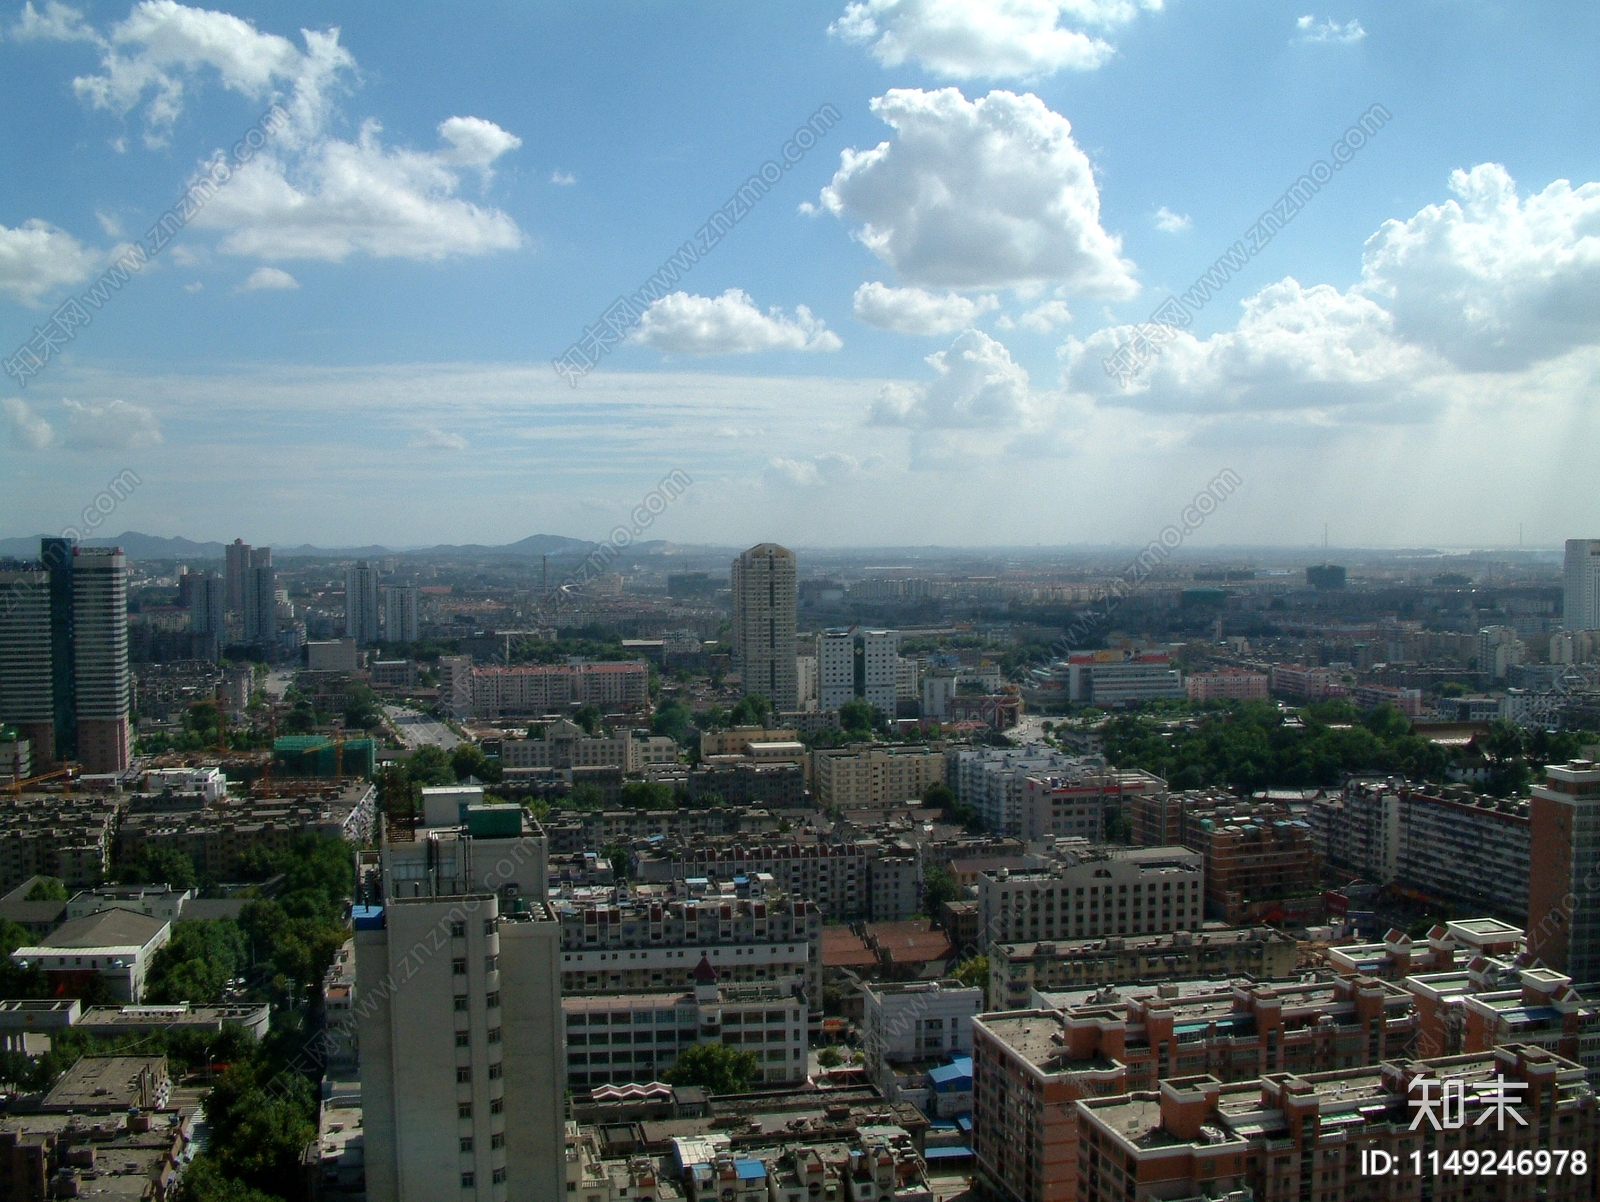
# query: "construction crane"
18,784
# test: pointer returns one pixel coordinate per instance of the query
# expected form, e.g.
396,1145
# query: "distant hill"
151,546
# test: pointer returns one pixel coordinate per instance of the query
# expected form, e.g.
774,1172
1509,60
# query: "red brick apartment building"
1310,1138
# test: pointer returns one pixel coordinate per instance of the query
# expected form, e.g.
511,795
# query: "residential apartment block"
1230,685
69,836
566,745
551,688
874,776
1564,888
1096,891
1261,866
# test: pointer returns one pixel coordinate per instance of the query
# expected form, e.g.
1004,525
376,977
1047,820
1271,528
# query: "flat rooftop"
1031,1034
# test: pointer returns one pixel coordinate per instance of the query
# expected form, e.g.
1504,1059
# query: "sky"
356,239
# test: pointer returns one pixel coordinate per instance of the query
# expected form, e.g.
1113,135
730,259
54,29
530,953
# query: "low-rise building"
68,836
536,689
1232,684
1260,868
839,877
1018,970
1095,891
114,946
1312,1136
910,1028
566,745
872,776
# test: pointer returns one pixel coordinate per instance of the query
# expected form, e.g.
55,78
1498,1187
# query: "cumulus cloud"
265,279
36,258
978,386
58,23
979,194
115,425
306,194
1315,350
1488,279
1311,30
435,439
358,198
916,311
987,39
833,467
27,427
1046,317
563,179
1169,222
730,324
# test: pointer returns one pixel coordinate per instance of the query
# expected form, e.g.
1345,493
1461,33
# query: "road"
277,683
420,730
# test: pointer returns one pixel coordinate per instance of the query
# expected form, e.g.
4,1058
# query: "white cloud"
976,194
36,258
58,23
475,142
1046,317
1169,222
193,286
987,39
27,427
116,425
563,179
1490,280
358,198
1316,351
979,386
161,47
267,279
1312,30
435,439
730,324
915,311
831,467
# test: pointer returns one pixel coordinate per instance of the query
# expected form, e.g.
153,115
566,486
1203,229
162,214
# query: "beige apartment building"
866,776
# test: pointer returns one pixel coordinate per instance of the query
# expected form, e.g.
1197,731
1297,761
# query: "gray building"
764,600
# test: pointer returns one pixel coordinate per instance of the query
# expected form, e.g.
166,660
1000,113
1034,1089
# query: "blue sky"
351,340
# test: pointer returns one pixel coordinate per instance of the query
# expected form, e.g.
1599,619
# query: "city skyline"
841,365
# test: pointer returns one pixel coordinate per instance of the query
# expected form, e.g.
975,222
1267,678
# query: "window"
464,1075
488,926
463,1039
494,1072
466,1143
497,1140
499,1176
496,1105
494,1034
458,967
461,1003
463,1110
490,963
458,930
468,1180
492,999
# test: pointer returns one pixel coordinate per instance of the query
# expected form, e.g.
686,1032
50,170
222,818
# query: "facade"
1260,867
1100,891
938,692
463,1069
68,836
764,602
1311,1136
101,682
1580,585
361,603
880,652
1499,648
1017,971
911,1027
870,776
653,941
1074,804
768,1020
866,880
836,667
565,745
455,684
1301,683
260,598
27,694
1230,685
236,557
208,605
400,613
993,780
114,945
1564,886
1115,678
539,689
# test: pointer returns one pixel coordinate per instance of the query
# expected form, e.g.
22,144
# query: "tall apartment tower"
400,613
237,562
260,597
463,1056
1564,873
361,603
27,694
880,653
100,677
764,624
1580,585
208,603
836,667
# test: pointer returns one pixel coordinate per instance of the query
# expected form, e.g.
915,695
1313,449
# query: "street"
419,730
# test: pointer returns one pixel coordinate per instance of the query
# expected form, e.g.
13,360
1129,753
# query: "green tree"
830,1057
751,711
855,719
974,971
938,887
430,766
585,796
939,796
588,717
197,962
672,719
48,888
467,759
714,1067
647,795
160,865
203,1181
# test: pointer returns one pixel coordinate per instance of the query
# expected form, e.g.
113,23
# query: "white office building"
1580,585
880,650
836,668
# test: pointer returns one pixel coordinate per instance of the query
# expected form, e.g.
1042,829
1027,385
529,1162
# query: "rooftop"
109,928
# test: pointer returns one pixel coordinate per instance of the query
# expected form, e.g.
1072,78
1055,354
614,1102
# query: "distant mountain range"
151,546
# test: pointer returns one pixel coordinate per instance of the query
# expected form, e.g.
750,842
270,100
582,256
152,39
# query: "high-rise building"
1580,585
237,561
56,556
836,668
361,603
208,604
260,598
101,681
400,613
27,698
463,1063
1564,876
764,600
880,652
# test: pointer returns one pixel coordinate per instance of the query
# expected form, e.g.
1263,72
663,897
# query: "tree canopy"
714,1067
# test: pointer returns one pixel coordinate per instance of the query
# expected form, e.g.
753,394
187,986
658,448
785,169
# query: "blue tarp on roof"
750,1170
947,1153
955,1075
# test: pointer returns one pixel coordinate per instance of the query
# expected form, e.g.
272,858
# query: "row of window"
458,966
490,999
464,1073
464,1038
458,930
464,1109
470,1180
497,1140
621,1018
